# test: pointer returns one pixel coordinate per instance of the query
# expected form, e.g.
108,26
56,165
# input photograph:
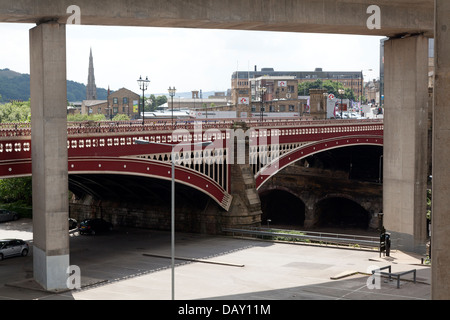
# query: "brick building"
122,101
282,88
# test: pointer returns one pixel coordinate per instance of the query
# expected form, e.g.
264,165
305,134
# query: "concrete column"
405,142
49,155
440,232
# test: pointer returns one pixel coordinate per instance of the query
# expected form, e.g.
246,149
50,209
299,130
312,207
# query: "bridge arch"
341,210
293,212
152,169
305,150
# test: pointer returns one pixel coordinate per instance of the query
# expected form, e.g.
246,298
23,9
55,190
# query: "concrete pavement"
134,264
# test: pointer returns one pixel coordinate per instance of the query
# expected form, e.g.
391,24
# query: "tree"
85,117
121,117
332,87
17,111
155,102
16,190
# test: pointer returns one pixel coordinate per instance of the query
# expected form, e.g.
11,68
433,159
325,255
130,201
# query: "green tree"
154,102
16,190
85,117
121,117
15,112
332,87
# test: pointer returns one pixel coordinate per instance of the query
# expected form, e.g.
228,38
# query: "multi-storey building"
274,94
282,88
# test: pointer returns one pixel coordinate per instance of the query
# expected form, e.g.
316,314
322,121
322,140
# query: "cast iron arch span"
152,169
306,150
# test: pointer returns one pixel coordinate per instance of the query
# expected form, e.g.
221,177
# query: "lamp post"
341,92
143,85
172,215
262,91
362,85
172,94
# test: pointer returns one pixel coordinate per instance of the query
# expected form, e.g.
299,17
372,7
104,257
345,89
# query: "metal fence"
308,236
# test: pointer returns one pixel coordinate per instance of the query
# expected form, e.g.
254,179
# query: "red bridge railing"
84,127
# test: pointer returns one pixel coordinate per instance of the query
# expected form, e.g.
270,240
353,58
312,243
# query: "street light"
262,91
341,92
172,216
143,84
362,84
172,94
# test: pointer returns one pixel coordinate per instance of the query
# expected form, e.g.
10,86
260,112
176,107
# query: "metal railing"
397,275
308,236
83,127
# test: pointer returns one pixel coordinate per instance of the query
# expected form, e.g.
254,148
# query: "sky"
191,59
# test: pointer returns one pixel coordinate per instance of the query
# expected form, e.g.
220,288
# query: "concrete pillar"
405,142
440,232
49,155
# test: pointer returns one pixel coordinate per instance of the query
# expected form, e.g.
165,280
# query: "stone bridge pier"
312,186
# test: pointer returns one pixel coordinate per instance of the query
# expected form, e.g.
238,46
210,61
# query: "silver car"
6,215
13,247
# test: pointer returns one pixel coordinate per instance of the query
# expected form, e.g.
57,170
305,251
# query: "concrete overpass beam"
405,141
49,155
440,234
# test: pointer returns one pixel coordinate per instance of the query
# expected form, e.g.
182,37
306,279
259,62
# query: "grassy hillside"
16,86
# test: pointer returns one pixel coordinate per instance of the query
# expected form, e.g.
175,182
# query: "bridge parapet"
90,127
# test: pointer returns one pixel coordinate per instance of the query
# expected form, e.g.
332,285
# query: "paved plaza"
134,264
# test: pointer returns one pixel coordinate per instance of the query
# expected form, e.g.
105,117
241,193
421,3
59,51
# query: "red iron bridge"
267,146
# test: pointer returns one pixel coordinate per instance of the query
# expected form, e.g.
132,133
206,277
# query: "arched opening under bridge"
136,201
342,213
282,209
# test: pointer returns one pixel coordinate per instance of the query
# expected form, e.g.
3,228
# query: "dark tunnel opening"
282,209
341,213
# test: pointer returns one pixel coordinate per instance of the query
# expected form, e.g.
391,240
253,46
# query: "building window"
125,100
115,110
99,110
282,108
116,100
291,108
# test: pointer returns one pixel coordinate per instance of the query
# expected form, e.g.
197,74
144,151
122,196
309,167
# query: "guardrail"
316,237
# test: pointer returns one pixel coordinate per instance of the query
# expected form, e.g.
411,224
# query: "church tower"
91,89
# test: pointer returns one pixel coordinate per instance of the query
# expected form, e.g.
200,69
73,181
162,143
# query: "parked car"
93,226
73,224
6,215
13,247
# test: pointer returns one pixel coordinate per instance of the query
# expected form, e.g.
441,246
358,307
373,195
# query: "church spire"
91,89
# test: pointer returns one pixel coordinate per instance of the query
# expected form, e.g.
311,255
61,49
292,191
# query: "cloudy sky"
191,59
